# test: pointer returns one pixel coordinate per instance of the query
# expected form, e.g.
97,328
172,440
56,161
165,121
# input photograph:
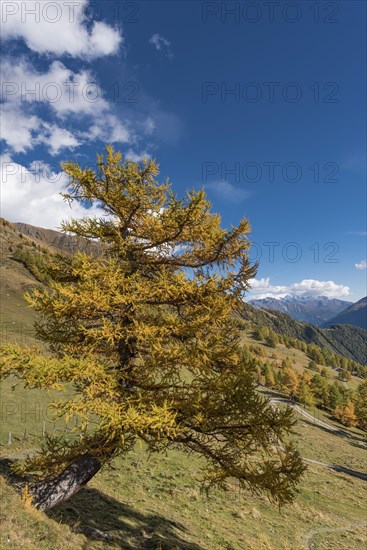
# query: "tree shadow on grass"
100,516
355,440
349,471
12,477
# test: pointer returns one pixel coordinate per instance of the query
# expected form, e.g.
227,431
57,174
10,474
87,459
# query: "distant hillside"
55,239
26,251
308,309
355,315
345,340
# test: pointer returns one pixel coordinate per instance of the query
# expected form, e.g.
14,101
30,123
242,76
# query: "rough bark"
53,491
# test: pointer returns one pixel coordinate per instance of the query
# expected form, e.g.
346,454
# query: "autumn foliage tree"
346,414
145,334
361,405
291,381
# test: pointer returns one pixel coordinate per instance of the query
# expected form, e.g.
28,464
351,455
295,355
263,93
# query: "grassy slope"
15,317
299,360
23,527
155,502
146,502
341,339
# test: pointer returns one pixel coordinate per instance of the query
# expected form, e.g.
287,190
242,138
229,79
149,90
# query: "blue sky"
262,104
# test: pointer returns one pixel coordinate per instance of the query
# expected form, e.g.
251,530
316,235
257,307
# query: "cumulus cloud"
18,128
228,191
162,45
56,138
137,156
67,94
74,99
32,195
23,131
64,91
108,128
60,28
63,107
361,265
262,288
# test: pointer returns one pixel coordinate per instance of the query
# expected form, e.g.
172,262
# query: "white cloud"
23,131
261,288
149,126
59,28
57,138
110,129
361,265
74,98
228,191
71,96
162,45
64,91
60,106
137,157
17,128
31,195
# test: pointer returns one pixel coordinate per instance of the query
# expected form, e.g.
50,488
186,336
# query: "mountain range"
317,310
356,315
346,340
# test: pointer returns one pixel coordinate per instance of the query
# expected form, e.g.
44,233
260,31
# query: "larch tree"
361,405
346,414
145,334
291,381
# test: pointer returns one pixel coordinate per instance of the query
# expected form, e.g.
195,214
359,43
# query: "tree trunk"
53,491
